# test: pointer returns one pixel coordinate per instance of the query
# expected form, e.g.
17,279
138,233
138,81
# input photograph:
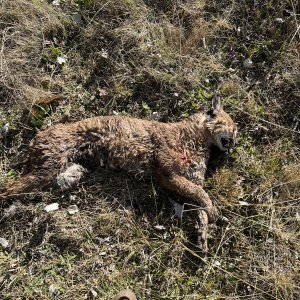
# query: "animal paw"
202,228
212,213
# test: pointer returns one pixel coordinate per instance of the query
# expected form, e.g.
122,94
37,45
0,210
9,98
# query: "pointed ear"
216,102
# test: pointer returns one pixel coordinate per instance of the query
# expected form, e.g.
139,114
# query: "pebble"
160,227
72,209
4,243
248,63
51,207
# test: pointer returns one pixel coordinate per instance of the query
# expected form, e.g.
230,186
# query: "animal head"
221,127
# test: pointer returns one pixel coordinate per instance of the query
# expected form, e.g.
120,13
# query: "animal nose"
231,142
228,142
224,142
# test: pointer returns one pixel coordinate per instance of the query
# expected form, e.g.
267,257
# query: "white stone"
279,20
51,207
217,263
93,293
4,243
72,209
248,63
104,53
160,227
61,60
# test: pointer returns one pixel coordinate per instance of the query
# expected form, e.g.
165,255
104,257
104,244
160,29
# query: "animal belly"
132,159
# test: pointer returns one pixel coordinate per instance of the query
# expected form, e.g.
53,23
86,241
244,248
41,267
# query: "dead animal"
176,154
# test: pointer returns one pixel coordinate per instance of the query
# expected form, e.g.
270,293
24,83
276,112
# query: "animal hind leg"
195,193
200,217
198,197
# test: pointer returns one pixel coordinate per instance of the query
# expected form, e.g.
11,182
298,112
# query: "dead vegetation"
163,60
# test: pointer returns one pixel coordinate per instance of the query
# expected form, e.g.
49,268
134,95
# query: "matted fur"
175,153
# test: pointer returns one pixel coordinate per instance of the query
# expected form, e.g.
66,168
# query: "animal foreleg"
202,224
186,188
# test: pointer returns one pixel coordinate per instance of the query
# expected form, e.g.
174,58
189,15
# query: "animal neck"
194,129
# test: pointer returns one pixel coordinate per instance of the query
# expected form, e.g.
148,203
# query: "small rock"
104,53
51,207
93,293
217,263
224,219
248,63
155,115
72,209
279,20
61,60
160,227
56,2
72,197
103,253
4,243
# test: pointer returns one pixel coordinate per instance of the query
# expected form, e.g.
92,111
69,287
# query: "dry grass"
154,59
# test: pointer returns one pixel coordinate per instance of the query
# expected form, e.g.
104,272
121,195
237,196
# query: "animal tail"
23,186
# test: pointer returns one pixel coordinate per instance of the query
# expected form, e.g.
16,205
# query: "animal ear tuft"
216,102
